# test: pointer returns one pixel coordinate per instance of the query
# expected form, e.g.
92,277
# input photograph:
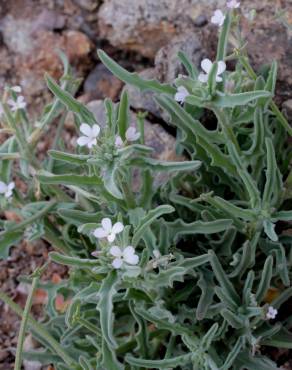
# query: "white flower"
271,313
126,255
119,142
19,103
156,253
108,230
90,135
207,65
181,94
233,4
6,189
16,89
132,134
1,110
218,18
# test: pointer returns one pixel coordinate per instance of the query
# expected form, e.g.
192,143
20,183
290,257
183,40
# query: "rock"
201,20
3,355
34,53
168,65
143,100
167,68
48,20
98,109
101,84
89,5
17,34
277,42
147,25
287,107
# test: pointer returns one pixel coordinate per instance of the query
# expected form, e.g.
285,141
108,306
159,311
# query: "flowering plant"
171,276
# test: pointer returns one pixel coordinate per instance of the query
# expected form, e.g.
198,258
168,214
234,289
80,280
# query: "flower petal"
85,129
206,65
3,187
83,140
8,193
118,142
117,263
11,185
156,253
130,256
118,227
181,94
106,223
100,233
132,134
111,237
16,89
134,260
221,67
218,18
203,77
116,251
95,254
91,142
95,131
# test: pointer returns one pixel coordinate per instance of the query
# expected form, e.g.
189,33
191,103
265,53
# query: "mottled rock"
87,4
48,20
143,100
101,84
34,52
98,109
287,107
17,34
277,42
167,64
147,25
167,68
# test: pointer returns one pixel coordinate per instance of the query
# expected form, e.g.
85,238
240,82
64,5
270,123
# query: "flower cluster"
121,256
206,65
271,313
218,17
131,135
6,189
19,102
108,230
91,133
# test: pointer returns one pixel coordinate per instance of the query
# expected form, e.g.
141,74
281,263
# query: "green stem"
245,62
39,329
128,194
22,330
89,326
223,38
56,140
21,140
55,238
10,156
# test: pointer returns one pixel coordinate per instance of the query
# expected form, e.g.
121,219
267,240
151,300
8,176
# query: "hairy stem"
22,330
41,331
